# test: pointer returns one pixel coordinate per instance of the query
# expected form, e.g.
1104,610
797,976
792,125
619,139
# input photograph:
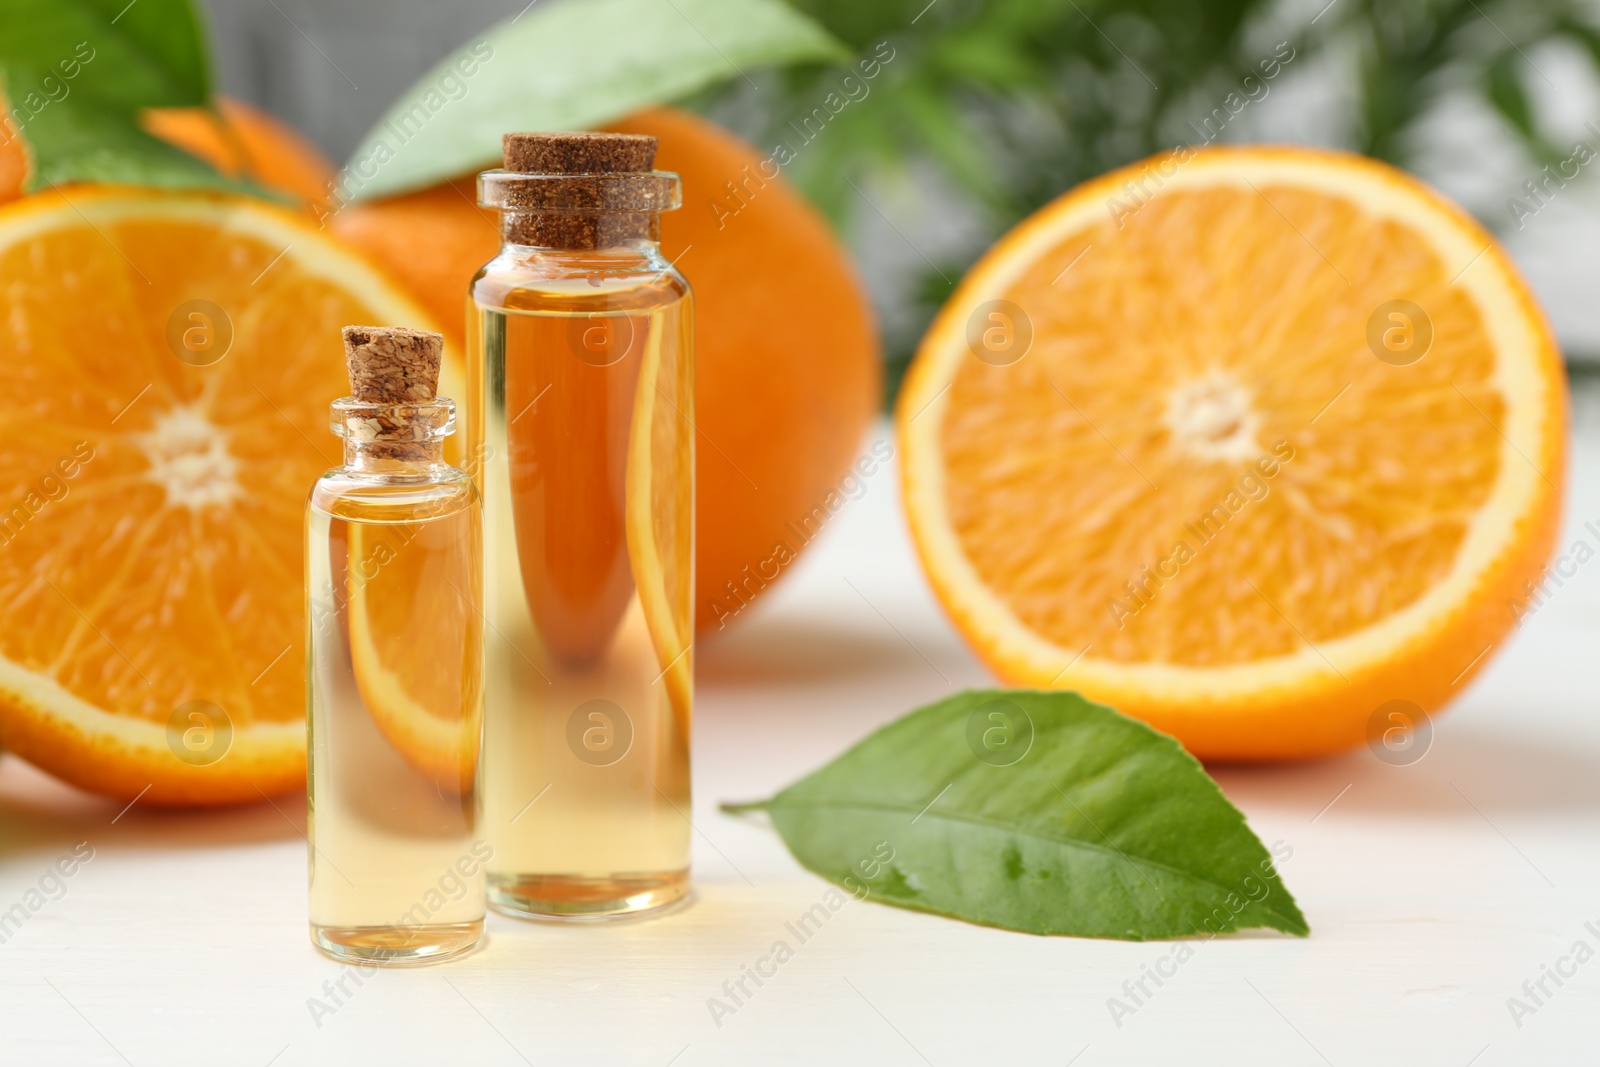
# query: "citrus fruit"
171,358
1244,442
787,363
243,141
14,160
445,220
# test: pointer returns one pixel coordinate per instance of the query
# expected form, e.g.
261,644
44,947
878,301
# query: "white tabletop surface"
1434,891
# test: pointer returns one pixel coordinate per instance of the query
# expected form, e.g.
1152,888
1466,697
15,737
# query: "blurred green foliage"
1011,102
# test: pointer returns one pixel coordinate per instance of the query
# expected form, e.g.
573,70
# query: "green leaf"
1038,812
571,66
76,75
1507,95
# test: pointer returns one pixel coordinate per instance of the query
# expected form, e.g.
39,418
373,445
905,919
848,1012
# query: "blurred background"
1477,96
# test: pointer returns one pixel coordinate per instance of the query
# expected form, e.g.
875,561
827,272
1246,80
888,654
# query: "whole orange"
788,369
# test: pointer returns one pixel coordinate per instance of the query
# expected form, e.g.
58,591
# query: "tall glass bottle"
395,640
580,407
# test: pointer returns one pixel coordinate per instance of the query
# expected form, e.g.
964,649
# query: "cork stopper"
394,409
578,153
392,365
584,190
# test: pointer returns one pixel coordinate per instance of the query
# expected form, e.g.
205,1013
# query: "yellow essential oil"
393,565
580,405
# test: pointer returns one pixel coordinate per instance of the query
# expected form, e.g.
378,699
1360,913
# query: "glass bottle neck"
616,264
393,457
393,439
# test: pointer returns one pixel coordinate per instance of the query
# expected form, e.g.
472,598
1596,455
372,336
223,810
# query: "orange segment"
1285,443
171,359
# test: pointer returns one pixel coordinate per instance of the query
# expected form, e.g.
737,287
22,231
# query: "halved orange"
169,363
1244,442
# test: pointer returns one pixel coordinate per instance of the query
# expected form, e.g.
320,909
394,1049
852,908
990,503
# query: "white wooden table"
1434,892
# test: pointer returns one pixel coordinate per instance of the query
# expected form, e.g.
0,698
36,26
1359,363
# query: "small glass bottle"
580,403
395,673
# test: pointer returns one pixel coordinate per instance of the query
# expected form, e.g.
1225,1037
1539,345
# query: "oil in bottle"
395,678
580,403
